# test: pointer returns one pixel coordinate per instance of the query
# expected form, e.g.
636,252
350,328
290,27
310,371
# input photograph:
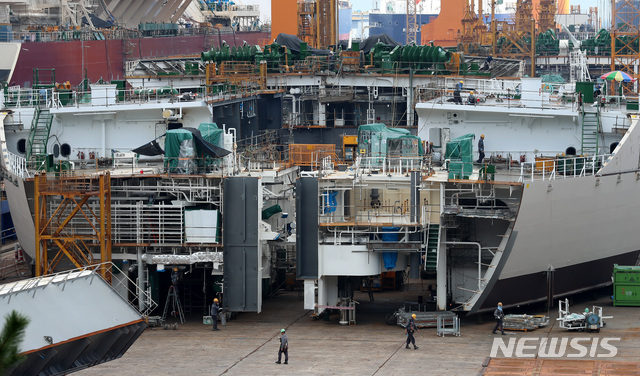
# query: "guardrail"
562,168
390,165
18,166
104,271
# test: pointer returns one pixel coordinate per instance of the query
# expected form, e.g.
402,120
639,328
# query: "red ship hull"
106,58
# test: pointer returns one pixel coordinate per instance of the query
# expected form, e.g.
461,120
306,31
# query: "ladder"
39,135
433,240
590,131
174,300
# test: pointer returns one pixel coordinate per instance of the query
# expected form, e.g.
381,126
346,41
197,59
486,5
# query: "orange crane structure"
315,21
625,40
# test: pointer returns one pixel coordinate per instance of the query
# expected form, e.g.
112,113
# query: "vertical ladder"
590,131
433,241
39,135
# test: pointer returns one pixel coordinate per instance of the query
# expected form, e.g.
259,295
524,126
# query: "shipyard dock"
249,344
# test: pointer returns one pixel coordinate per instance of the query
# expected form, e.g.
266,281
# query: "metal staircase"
590,130
39,135
433,240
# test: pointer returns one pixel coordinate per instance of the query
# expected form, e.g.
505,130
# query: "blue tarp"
390,258
330,202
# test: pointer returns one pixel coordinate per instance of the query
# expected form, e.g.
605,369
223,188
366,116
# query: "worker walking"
498,314
215,308
284,348
410,329
481,149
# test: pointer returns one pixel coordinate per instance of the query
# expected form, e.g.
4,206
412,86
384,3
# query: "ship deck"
249,344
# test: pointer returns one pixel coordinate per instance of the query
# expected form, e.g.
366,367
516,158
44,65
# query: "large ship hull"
106,59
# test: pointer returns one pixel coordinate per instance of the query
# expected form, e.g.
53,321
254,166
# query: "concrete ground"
249,344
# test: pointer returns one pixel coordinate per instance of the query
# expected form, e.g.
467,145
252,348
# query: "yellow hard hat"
414,315
481,136
472,92
500,303
215,300
461,82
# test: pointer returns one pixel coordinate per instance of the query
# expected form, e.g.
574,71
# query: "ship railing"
116,34
109,96
554,168
387,165
17,97
398,213
107,271
18,165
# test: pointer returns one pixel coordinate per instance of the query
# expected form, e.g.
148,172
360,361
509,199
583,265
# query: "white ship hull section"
534,131
566,222
101,129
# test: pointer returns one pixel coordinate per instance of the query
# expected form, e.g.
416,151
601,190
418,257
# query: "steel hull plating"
534,287
106,58
576,227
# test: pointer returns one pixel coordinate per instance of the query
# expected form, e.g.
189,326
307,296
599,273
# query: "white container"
103,94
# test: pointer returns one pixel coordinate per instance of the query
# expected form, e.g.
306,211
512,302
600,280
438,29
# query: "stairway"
590,131
39,135
433,239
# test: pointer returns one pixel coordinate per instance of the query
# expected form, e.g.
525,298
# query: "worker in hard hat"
457,99
284,347
215,308
481,149
472,98
498,314
410,328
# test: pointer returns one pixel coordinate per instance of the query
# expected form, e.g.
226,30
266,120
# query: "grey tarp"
292,43
367,44
152,148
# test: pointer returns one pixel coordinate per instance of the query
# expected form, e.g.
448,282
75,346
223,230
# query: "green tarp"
374,141
211,133
460,153
214,135
270,211
179,151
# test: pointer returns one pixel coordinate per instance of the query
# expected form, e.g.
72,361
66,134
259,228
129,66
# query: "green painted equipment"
626,285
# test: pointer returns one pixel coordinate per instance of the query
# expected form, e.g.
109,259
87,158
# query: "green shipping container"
626,295
626,285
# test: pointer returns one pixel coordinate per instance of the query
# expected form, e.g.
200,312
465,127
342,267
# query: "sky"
364,5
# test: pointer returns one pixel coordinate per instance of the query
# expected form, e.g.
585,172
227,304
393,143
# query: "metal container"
626,285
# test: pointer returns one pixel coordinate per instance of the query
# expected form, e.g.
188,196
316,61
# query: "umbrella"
617,76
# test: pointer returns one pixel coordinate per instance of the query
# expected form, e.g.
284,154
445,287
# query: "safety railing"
107,271
390,165
561,167
18,166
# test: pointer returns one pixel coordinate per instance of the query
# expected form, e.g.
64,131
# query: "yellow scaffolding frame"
73,227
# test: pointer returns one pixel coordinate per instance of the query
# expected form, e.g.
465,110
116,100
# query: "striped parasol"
617,76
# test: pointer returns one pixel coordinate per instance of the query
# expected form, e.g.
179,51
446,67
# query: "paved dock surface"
249,344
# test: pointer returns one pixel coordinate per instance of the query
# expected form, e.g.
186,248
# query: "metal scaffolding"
625,37
57,237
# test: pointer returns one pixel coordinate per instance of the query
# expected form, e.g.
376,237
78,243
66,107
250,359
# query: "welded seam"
389,358
267,341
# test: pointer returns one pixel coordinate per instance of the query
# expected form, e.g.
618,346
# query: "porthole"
65,150
56,151
22,146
